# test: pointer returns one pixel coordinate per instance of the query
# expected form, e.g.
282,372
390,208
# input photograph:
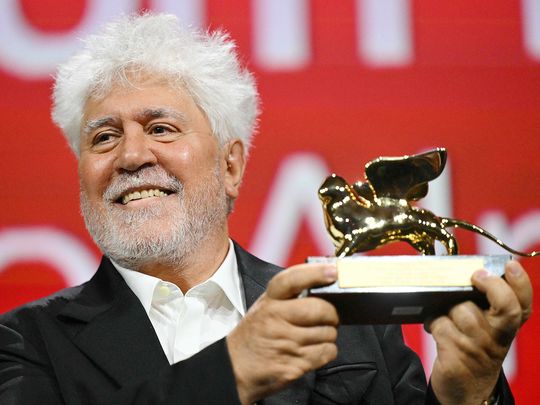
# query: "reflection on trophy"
366,215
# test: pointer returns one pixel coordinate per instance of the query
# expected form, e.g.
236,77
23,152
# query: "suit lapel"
255,275
106,317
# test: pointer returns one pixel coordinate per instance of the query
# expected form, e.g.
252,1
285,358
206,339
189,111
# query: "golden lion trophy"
367,215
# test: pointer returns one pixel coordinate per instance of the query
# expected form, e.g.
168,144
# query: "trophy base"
370,289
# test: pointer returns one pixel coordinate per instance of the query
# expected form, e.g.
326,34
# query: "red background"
471,86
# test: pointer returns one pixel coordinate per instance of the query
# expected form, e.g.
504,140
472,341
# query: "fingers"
446,333
475,351
307,358
318,355
520,283
307,311
505,314
469,320
291,282
464,321
314,335
309,344
310,311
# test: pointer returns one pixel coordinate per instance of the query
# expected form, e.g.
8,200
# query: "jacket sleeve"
27,378
24,379
503,394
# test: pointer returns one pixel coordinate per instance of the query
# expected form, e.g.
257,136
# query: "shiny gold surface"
366,215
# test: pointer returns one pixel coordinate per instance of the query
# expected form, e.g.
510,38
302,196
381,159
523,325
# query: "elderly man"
160,119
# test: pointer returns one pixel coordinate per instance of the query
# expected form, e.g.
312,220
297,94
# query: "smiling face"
155,183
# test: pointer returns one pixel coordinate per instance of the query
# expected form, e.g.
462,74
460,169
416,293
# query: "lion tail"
457,223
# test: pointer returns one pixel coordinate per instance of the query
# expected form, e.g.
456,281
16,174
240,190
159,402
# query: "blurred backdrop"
341,82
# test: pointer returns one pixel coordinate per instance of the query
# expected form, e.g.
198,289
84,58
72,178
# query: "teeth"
139,195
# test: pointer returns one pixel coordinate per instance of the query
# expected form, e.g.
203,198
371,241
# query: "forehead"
130,96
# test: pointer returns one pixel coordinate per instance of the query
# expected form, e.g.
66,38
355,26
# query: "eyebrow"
91,125
160,112
143,116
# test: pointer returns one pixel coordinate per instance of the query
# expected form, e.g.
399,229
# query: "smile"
142,194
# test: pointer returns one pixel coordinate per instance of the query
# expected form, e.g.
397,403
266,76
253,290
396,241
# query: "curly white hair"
205,64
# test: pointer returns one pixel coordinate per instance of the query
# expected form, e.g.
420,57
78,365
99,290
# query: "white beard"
157,233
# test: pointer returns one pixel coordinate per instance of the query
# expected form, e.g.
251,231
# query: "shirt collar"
142,285
226,277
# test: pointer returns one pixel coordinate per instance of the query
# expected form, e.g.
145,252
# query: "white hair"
205,64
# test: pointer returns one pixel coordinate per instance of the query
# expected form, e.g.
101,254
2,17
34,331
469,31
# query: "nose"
134,151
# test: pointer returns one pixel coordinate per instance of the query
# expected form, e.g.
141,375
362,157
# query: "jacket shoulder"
44,307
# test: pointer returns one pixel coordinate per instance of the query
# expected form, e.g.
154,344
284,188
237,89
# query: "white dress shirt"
187,323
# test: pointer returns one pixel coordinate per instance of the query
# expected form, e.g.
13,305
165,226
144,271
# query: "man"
161,119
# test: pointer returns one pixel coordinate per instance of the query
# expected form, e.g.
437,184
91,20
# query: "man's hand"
282,337
472,344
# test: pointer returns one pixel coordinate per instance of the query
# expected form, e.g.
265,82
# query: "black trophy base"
396,307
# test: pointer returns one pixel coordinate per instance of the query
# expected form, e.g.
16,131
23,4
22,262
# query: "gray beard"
156,234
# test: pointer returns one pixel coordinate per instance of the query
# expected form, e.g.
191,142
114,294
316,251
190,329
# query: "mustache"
145,177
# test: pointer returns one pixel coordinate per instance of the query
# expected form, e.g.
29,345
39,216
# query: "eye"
160,129
102,138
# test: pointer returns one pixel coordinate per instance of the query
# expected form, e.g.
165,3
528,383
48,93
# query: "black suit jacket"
94,344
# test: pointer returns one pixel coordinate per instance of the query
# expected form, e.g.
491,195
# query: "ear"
235,160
